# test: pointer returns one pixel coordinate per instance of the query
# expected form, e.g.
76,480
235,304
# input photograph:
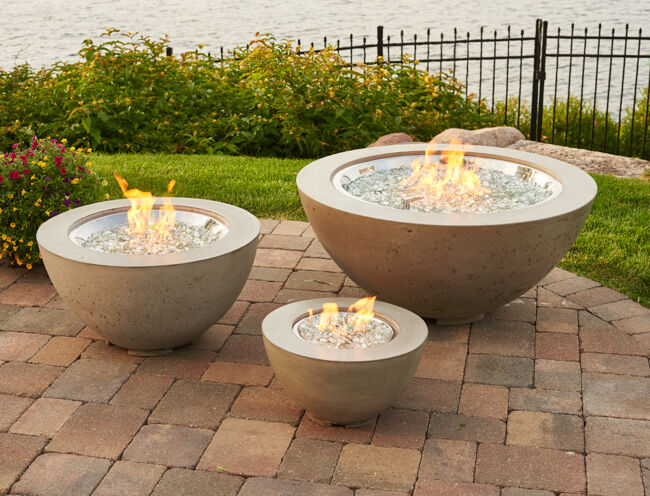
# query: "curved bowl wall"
451,267
343,387
150,302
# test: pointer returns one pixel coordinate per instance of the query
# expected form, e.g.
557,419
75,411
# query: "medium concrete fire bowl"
456,266
343,386
149,303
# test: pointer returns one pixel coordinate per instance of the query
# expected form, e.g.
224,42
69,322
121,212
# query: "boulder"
501,136
392,139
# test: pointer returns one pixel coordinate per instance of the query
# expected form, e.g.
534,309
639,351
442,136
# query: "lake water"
41,31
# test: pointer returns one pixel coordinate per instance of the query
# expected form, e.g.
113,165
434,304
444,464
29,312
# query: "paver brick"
571,285
320,264
564,320
618,310
291,295
482,400
519,309
214,338
55,474
447,460
269,274
284,242
142,391
439,488
503,337
644,341
401,429
251,323
618,436
499,370
530,468
261,403
37,274
546,430
195,404
178,481
633,325
316,250
609,341
448,333
8,274
257,486
545,400
596,296
353,292
184,363
169,445
90,380
88,333
61,350
620,396
259,291
44,321
11,408
98,430
27,294
557,346
312,430
236,443
20,346
587,320
610,475
102,350
16,453
481,429
310,460
244,374
281,259
517,491
26,379
267,225
290,228
45,417
244,349
313,280
377,468
7,311
378,492
557,375
134,479
442,361
615,364
555,275
57,302
548,299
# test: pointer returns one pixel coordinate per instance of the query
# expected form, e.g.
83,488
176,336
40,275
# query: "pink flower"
1,179
26,171
14,175
15,145
63,171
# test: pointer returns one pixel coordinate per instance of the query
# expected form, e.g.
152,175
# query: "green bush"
264,99
37,183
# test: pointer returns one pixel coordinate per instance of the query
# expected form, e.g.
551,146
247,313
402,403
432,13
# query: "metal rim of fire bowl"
316,180
410,332
54,235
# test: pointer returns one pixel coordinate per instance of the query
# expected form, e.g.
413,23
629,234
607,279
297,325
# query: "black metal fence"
579,88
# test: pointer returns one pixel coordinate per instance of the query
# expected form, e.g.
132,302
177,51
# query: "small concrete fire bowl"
149,303
343,386
453,266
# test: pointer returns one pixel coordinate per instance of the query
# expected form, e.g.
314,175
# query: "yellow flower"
33,177
75,180
90,150
89,164
107,196
64,141
6,245
4,236
12,225
29,266
42,164
72,148
23,192
11,195
31,243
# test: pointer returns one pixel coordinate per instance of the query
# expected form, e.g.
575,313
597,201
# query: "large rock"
501,136
392,139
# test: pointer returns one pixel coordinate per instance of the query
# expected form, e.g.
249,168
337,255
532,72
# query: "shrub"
264,99
37,183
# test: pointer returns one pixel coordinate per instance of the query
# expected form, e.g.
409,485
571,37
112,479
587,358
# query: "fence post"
169,52
535,97
541,77
380,42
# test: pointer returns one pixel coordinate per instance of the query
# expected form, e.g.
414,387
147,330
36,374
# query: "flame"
142,202
450,175
329,317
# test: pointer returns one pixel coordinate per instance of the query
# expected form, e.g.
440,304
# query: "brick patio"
548,395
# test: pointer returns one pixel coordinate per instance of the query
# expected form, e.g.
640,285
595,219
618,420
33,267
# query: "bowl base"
327,423
150,353
464,320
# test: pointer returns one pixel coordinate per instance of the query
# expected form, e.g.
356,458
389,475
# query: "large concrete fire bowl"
453,267
343,386
149,302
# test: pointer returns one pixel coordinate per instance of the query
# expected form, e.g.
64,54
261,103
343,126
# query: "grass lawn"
613,247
